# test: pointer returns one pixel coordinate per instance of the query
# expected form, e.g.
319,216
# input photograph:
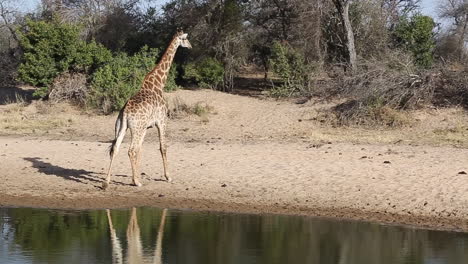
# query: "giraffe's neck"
156,79
165,63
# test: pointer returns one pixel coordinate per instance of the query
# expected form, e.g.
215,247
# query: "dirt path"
407,185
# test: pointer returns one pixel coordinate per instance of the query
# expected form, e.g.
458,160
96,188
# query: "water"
149,235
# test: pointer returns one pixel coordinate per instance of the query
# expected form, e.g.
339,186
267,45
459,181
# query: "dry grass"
38,116
178,108
381,91
69,87
354,113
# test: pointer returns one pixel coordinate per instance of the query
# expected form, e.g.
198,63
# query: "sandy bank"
392,184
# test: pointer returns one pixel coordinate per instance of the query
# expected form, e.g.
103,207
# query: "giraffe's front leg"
163,149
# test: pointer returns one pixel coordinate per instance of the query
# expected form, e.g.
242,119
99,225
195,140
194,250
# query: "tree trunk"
461,42
343,9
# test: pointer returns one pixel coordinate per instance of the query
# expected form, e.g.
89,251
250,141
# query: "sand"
251,156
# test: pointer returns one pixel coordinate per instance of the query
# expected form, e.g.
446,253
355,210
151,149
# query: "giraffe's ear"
183,36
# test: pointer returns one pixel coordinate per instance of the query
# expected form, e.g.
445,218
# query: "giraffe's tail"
120,128
111,148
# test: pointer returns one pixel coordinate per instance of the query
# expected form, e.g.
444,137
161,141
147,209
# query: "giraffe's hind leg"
134,153
120,128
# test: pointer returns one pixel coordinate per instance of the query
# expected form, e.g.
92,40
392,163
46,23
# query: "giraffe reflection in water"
51,236
135,253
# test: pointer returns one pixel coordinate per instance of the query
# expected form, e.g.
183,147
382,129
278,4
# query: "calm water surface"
149,235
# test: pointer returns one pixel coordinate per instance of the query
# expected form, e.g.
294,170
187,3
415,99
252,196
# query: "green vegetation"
52,48
49,49
289,65
114,83
207,73
120,78
303,47
416,35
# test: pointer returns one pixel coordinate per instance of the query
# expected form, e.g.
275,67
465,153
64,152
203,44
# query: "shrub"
114,83
90,56
67,87
207,73
49,49
171,84
53,48
417,36
379,93
288,65
452,89
179,108
370,112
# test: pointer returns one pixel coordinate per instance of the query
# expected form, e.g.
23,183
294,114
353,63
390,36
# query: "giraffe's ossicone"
147,108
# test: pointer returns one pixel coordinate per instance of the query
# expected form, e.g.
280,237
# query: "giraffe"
146,109
135,252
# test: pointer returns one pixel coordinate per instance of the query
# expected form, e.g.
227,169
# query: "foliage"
416,35
52,48
207,73
290,66
171,84
119,79
301,42
90,56
49,49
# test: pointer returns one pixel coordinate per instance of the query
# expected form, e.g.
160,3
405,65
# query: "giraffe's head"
182,39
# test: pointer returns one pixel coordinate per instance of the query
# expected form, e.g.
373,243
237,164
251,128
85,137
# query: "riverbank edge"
336,214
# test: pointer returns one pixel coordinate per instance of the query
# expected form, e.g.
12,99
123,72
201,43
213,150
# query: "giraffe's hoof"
168,179
105,185
137,184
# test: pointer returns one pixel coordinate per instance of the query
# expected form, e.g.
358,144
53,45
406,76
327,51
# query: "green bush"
171,84
288,65
416,35
114,83
207,73
49,49
52,48
90,56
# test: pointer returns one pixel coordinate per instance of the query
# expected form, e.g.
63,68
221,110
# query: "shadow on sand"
81,176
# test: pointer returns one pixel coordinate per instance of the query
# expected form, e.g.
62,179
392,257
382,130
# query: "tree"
109,22
342,7
299,23
416,34
457,12
395,9
269,21
10,53
52,48
8,15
